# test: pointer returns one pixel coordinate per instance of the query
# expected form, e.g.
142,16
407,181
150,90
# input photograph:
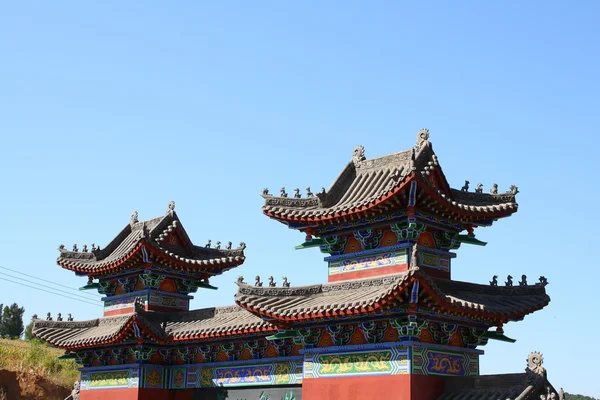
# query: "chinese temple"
389,323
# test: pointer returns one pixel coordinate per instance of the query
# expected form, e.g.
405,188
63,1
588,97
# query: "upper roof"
366,185
367,296
163,237
205,324
533,384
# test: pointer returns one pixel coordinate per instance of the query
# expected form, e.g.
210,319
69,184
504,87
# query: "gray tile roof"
363,183
365,295
204,324
152,233
68,334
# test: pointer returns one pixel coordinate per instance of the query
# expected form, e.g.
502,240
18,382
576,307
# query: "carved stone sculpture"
514,189
242,245
358,154
208,244
84,249
218,246
240,279
228,247
494,189
422,138
257,281
543,281
48,317
308,192
297,194
171,207
265,192
59,317
75,249
479,188
61,247
93,247
272,282
509,281
494,281
134,218
282,192
285,282
69,317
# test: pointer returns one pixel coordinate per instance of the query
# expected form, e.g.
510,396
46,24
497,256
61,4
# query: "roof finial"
134,218
282,192
285,282
257,281
509,281
242,246
422,139
229,244
208,244
308,192
265,192
358,155
297,194
240,280
494,281
494,189
218,246
479,188
514,189
171,208
75,249
272,282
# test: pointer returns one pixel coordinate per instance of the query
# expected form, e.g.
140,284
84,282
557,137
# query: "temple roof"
366,296
371,185
163,237
532,384
204,324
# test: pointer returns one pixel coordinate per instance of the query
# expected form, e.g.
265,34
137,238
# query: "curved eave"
393,298
455,308
214,266
345,213
448,205
125,332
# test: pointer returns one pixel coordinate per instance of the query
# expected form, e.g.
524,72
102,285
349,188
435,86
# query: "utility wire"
35,283
53,283
56,294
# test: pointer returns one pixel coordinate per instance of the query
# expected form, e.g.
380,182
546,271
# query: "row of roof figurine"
297,195
509,281
49,317
208,245
494,190
258,282
228,247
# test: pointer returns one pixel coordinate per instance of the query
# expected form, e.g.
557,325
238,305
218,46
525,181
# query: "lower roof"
204,324
364,296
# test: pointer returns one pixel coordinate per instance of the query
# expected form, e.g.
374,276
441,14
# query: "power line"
56,294
35,283
53,283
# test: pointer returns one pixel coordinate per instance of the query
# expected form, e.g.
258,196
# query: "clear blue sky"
108,108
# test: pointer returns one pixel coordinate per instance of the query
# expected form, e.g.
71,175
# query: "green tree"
12,322
569,396
28,331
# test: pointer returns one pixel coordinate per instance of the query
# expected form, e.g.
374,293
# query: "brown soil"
23,386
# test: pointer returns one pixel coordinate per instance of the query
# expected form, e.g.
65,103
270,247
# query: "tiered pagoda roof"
157,327
364,297
162,238
368,187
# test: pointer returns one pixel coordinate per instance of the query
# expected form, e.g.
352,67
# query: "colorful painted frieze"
430,361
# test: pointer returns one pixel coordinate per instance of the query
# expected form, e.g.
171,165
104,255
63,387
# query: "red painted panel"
394,387
392,269
109,394
118,312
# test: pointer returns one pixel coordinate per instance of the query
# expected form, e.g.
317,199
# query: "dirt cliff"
24,386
